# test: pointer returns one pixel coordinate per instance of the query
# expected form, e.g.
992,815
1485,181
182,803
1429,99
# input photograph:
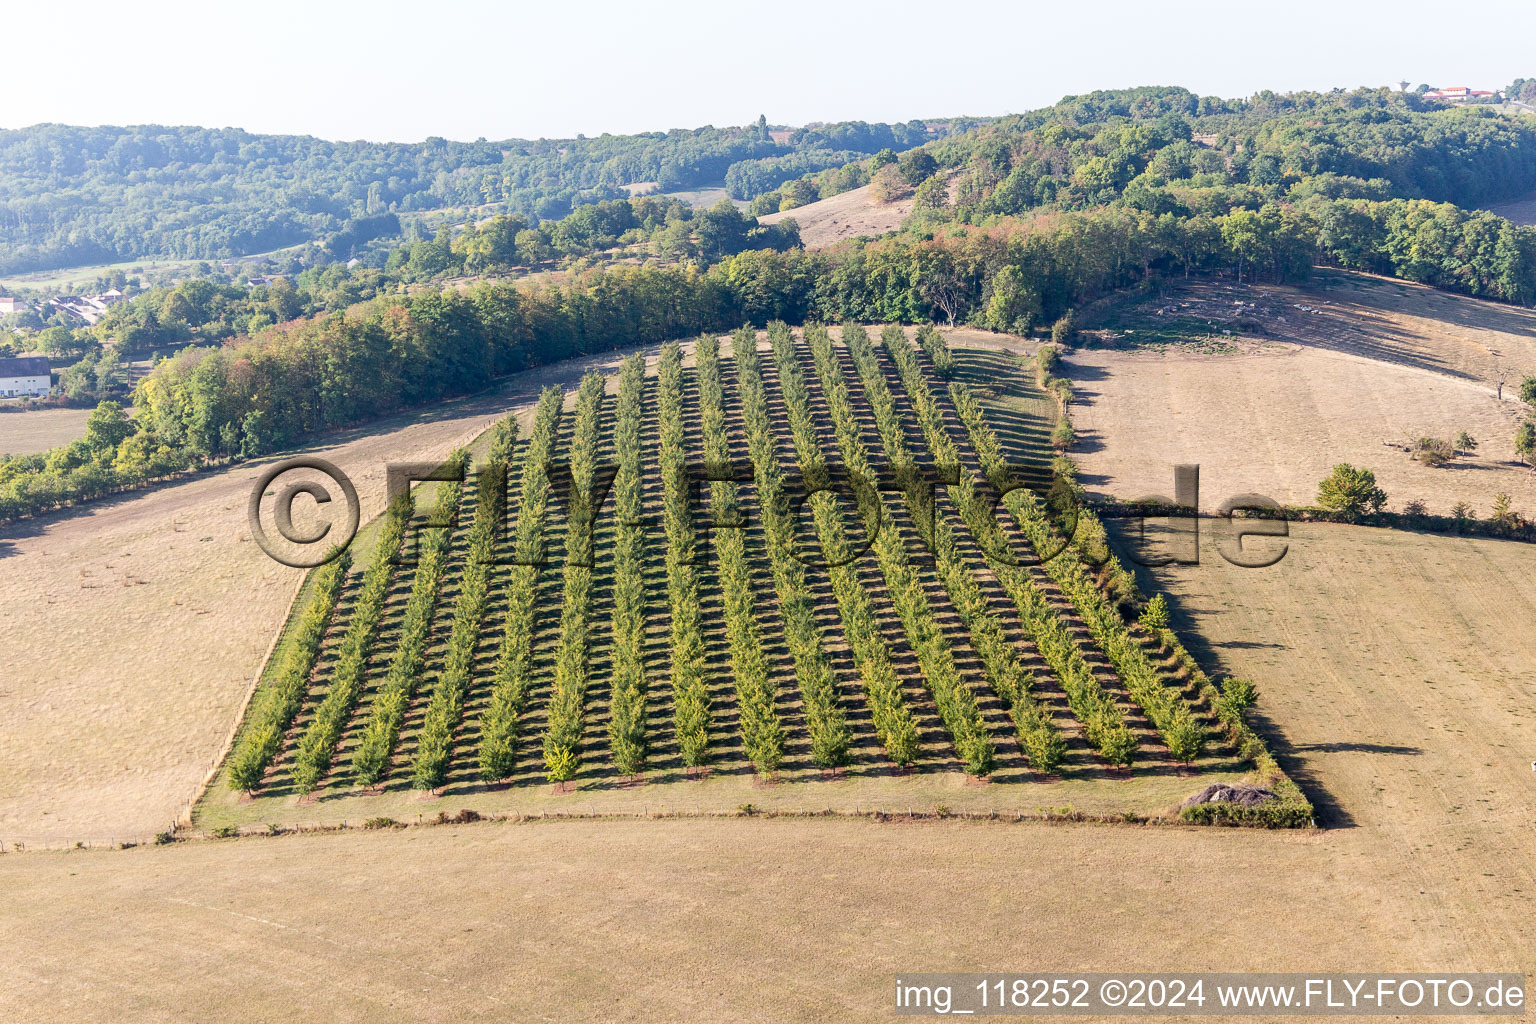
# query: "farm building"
28,376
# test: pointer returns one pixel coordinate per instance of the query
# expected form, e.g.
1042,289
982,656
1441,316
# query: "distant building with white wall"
25,377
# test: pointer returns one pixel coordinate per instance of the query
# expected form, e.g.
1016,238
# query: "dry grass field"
27,433
1521,211
135,626
843,216
1366,365
1274,421
1398,682
1413,725
724,920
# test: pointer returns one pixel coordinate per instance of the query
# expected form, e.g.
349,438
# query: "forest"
1015,224
73,196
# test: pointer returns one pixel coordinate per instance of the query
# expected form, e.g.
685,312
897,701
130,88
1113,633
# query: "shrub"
1465,442
1237,696
1064,330
1433,452
1155,615
1349,493
1501,513
1062,435
1525,441
374,823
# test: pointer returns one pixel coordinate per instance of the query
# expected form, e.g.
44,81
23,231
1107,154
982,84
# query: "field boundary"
892,814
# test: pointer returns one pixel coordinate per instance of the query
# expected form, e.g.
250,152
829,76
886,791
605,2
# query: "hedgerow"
567,699
317,747
690,687
1101,719
892,718
514,662
1039,737
761,731
1183,734
382,731
814,676
954,698
626,718
434,748
278,703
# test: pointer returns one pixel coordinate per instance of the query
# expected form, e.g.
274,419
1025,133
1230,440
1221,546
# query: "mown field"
1348,368
37,430
629,676
1396,684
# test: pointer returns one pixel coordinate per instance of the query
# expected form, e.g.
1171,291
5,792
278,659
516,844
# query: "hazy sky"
398,71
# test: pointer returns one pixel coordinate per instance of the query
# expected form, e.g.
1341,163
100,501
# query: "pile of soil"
1221,793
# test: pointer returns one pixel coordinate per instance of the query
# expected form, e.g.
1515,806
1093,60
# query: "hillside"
843,216
1346,369
74,196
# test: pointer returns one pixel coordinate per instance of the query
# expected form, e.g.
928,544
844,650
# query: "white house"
28,376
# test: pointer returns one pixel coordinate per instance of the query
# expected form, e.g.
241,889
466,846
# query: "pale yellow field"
27,433
135,626
1274,421
843,216
1398,685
